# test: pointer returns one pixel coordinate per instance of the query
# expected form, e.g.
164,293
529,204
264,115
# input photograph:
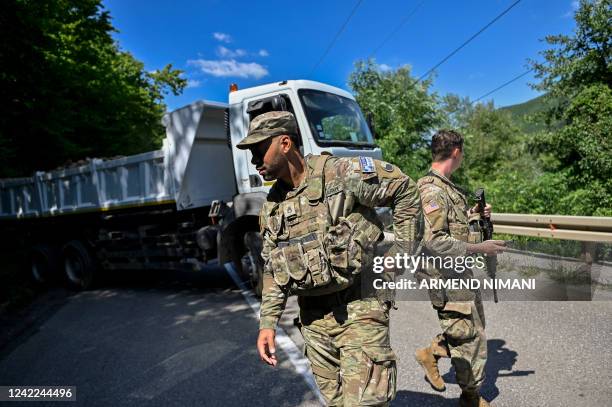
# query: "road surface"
189,339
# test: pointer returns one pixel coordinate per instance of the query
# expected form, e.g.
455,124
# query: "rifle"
486,226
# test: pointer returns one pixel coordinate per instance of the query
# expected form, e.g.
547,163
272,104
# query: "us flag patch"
431,207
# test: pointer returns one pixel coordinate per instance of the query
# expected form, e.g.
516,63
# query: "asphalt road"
188,339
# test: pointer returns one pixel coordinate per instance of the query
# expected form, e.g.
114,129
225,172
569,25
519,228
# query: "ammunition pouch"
311,257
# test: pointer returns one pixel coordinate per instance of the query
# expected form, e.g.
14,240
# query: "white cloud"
384,67
224,52
222,37
230,68
263,53
193,83
575,6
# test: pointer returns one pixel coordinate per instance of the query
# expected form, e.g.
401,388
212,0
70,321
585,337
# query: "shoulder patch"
387,170
429,190
367,164
425,180
431,207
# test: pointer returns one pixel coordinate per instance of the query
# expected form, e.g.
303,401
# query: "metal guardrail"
581,228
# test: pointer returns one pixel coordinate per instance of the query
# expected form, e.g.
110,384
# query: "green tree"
492,139
577,72
404,113
68,91
495,150
578,61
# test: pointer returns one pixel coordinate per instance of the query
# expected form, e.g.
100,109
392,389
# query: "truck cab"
329,120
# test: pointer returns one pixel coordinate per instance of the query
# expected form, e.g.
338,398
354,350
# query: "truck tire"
254,244
79,265
44,265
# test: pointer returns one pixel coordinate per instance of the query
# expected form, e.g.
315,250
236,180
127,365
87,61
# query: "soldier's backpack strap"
430,178
314,192
438,181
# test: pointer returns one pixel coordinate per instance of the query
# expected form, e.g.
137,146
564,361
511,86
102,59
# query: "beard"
268,177
273,169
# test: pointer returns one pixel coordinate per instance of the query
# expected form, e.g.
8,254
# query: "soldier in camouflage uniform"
319,229
449,231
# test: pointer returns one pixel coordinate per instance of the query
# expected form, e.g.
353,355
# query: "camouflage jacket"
350,185
445,209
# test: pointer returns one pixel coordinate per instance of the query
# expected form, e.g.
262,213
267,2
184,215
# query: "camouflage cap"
268,125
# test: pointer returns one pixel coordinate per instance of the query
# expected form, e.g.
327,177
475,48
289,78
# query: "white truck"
195,199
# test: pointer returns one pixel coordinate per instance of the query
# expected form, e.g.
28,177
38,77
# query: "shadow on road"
154,338
17,326
414,398
500,361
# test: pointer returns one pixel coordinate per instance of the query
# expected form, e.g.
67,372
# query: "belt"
331,300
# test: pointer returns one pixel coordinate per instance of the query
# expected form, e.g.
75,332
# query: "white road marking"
297,359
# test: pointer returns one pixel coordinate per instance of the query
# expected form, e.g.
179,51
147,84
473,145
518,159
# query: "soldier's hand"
490,247
266,347
487,210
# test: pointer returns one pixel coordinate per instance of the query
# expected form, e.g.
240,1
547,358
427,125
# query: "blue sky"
219,42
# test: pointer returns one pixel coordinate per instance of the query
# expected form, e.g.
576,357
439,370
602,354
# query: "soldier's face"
268,158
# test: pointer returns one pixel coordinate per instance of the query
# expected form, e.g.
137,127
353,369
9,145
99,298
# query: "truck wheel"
44,263
79,265
255,273
254,245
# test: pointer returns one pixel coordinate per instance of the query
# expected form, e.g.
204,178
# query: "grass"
529,271
566,275
555,247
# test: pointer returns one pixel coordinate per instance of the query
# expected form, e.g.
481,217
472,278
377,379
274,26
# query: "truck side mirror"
271,103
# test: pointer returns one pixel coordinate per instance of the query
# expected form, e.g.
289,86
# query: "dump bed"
193,168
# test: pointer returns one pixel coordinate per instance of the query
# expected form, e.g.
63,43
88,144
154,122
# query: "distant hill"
521,113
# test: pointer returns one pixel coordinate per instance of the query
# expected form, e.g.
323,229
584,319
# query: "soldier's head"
447,145
273,141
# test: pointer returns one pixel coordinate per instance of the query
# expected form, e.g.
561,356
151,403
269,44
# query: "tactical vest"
462,228
314,257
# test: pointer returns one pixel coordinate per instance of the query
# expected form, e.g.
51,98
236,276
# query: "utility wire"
469,40
503,85
331,44
404,21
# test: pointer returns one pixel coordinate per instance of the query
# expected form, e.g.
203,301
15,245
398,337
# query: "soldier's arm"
385,185
435,211
273,299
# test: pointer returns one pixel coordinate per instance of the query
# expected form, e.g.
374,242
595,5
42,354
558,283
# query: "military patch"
289,210
431,207
366,164
388,167
333,188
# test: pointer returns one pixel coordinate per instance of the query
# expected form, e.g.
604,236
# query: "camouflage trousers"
463,340
349,352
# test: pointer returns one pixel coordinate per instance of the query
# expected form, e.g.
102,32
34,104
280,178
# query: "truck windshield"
335,119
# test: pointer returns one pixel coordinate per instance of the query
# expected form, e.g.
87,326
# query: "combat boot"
429,362
472,399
